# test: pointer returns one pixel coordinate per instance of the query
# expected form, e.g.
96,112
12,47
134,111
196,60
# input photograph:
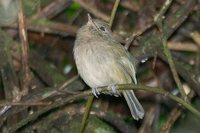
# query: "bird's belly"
94,74
98,73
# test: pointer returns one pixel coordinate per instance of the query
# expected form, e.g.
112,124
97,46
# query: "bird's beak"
90,20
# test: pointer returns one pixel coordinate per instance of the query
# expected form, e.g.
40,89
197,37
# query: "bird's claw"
114,90
95,92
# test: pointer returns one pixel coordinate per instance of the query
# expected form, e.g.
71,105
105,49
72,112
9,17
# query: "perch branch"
121,87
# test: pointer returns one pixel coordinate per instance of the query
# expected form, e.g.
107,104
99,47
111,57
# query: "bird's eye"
102,28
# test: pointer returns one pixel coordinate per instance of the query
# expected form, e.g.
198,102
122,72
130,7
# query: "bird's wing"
129,67
127,62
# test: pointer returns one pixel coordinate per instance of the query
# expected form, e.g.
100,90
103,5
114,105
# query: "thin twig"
5,103
137,34
157,17
49,27
196,37
68,82
174,115
179,46
86,114
113,12
52,9
148,120
24,47
172,67
159,21
93,10
163,10
150,25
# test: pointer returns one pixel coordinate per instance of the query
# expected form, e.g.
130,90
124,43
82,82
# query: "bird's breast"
98,67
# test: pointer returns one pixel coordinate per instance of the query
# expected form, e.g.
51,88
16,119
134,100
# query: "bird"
102,61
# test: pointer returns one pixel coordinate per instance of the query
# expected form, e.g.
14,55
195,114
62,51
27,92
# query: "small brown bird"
103,61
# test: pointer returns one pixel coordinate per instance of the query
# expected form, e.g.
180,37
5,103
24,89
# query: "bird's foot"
95,92
114,90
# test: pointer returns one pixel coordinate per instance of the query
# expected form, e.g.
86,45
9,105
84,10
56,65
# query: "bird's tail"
135,107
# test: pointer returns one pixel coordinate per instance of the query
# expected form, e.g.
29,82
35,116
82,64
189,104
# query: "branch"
26,77
113,12
93,10
159,21
121,87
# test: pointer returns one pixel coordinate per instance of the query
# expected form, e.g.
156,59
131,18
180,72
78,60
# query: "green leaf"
72,9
